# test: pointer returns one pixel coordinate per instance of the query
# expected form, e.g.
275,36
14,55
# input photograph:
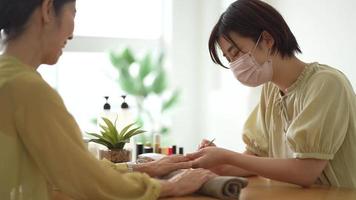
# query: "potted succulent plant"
115,140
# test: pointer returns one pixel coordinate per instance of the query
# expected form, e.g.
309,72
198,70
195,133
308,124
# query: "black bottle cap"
107,105
139,149
174,149
148,149
181,151
124,105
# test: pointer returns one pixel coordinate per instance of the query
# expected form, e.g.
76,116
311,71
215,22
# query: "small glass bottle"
125,116
157,142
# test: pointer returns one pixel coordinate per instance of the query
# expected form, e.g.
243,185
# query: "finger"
204,142
195,155
179,158
208,175
202,146
207,144
203,175
197,171
181,165
199,146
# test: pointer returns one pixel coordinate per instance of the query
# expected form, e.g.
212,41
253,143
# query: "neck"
28,54
286,71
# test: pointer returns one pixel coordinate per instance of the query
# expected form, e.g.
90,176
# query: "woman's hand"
210,157
187,182
206,143
164,165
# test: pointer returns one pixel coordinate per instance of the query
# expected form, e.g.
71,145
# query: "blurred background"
211,103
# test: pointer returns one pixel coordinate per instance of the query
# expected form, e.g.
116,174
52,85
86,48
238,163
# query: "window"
84,74
119,18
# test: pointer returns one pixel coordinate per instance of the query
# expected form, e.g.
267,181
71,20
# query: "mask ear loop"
258,40
268,55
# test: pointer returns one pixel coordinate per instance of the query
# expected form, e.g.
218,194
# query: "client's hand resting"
209,157
164,165
186,182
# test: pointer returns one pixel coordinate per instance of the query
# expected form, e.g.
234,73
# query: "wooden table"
264,189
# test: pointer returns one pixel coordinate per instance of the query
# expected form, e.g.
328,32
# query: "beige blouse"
316,118
41,147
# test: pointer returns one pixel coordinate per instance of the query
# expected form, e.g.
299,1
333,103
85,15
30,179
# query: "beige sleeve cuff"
119,167
321,156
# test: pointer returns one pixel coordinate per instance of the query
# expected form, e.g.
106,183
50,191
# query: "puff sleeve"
320,128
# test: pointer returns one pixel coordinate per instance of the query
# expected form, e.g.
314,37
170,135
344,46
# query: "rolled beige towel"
224,187
221,187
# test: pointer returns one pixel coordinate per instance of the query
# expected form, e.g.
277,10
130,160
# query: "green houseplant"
115,140
149,82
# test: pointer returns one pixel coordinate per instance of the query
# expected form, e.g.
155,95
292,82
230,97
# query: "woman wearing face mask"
304,127
41,149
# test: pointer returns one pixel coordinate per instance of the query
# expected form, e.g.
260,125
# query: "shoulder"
29,87
29,81
326,78
327,84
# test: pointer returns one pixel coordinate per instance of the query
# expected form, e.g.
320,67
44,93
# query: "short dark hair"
249,18
14,14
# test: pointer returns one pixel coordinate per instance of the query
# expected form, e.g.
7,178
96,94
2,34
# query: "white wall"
186,45
325,30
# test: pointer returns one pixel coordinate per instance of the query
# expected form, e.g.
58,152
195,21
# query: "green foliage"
150,79
112,138
149,66
172,101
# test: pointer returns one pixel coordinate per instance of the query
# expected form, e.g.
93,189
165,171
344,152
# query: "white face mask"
247,70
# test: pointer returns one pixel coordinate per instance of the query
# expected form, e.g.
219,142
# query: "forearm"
230,170
298,171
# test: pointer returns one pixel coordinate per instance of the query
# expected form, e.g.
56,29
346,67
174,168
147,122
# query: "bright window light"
83,79
119,18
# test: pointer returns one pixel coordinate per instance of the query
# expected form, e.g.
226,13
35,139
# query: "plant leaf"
145,67
119,145
112,133
164,130
117,133
118,62
94,134
125,135
108,137
159,83
104,128
128,55
102,137
133,133
128,84
124,130
102,142
160,59
171,101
